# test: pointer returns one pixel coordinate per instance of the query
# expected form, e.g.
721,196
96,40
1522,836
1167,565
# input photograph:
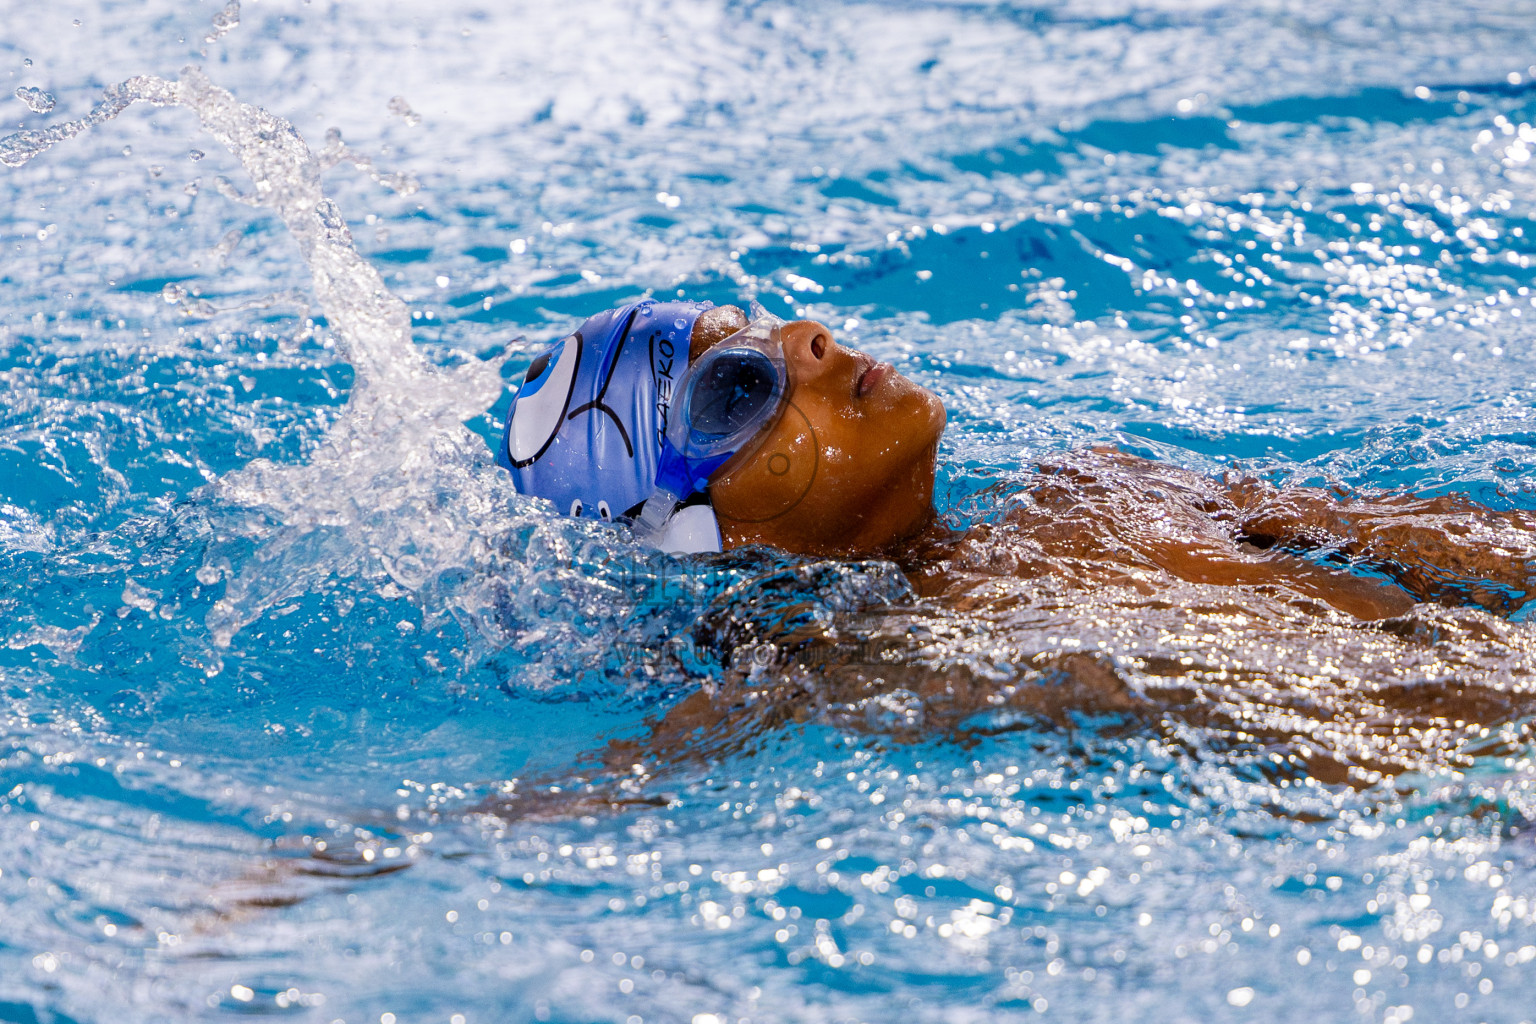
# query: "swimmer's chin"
926,516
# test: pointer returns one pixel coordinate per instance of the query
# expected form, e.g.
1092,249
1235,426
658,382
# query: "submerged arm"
1105,516
1447,549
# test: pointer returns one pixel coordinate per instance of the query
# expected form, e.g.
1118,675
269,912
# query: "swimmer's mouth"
873,374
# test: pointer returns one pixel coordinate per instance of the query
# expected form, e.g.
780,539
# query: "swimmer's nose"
807,348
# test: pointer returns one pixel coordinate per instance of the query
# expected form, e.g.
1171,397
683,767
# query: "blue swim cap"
589,422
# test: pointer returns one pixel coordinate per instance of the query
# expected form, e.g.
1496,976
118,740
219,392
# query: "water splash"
18,148
336,151
399,488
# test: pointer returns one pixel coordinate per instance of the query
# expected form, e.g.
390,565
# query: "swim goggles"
722,406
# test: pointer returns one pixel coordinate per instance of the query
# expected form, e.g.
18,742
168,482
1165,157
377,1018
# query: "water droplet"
38,101
400,108
127,151
224,22
679,323
27,62
195,154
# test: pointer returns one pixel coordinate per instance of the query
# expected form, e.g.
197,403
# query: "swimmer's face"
847,469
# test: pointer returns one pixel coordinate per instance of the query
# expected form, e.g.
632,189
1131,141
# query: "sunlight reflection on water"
275,631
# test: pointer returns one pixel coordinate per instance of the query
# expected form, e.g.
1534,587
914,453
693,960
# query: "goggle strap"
676,478
672,472
701,470
672,485
654,514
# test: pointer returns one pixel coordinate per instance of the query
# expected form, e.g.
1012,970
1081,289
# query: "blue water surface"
257,686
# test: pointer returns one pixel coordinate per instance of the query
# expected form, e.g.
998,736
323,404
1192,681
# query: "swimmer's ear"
714,326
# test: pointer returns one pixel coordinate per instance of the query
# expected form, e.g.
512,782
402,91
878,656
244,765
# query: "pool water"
304,712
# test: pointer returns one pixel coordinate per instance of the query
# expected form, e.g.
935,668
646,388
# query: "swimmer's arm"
1100,513
1447,549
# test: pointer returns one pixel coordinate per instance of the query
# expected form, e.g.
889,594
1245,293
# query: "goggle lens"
736,390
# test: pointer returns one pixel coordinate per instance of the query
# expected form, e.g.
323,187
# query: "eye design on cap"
542,402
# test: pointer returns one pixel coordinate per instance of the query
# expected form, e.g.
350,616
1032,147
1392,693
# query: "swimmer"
713,430
1344,638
